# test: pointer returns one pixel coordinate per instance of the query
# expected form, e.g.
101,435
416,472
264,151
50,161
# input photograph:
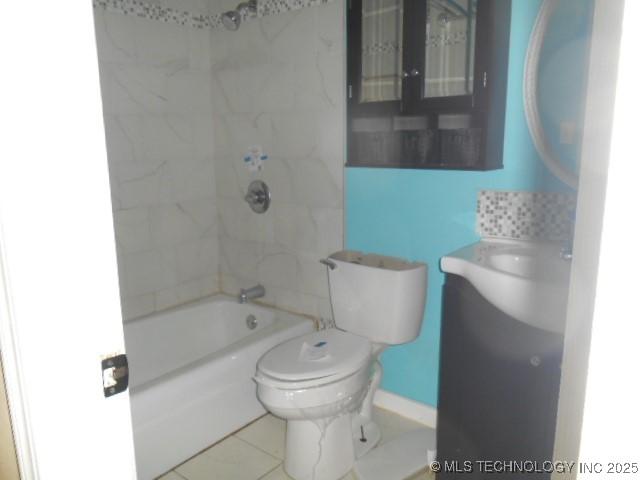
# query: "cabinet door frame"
485,106
354,69
417,59
413,57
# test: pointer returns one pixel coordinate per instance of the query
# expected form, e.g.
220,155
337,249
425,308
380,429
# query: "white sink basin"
528,281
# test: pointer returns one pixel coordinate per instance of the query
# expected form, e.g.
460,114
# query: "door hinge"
350,92
484,80
115,375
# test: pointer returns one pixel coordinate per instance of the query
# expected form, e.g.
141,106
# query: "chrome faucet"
247,294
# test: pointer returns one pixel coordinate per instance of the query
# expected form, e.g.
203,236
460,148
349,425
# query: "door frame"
18,405
60,312
598,399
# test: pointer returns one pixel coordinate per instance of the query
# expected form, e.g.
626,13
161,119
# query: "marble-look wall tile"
278,82
132,226
155,80
115,36
182,106
137,306
197,14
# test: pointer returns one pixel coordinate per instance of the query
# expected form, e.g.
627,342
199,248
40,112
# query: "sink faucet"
567,250
247,294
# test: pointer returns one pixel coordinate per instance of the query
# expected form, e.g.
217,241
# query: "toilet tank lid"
316,355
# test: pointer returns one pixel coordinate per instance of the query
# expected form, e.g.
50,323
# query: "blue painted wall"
425,214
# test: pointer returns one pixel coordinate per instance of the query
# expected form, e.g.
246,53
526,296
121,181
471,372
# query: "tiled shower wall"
174,92
278,83
155,81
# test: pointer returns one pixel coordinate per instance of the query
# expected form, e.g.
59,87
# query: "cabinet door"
444,65
375,55
412,56
426,82
498,387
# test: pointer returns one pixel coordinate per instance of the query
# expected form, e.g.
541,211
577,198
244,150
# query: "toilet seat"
313,359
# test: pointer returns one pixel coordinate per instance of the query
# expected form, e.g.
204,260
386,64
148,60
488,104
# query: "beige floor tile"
392,425
171,476
280,474
231,459
350,476
277,474
266,433
427,475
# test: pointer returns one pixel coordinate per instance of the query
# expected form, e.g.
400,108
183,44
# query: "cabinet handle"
414,72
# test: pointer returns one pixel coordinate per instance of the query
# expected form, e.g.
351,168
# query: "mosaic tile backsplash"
152,11
525,215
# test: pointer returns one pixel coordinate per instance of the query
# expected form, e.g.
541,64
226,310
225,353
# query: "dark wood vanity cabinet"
498,387
427,82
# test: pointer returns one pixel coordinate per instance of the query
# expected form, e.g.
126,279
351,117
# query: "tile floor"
256,452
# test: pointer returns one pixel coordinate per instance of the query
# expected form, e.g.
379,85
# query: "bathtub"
191,372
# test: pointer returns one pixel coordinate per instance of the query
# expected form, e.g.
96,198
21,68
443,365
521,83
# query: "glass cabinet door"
449,48
381,51
419,95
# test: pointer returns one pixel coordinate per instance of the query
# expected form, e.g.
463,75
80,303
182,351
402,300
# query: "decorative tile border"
152,11
525,215
384,47
274,7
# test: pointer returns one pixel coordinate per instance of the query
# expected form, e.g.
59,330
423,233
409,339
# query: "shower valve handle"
258,196
255,197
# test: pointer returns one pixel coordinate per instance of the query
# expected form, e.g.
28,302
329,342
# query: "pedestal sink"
528,281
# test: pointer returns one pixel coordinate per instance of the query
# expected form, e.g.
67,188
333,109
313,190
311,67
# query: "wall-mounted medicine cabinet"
427,83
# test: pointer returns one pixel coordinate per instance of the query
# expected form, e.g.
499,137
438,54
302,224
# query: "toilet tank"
378,297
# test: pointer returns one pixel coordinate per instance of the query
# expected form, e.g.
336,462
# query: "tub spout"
247,294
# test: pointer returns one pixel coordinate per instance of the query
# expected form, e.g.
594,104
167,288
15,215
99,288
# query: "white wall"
158,119
278,82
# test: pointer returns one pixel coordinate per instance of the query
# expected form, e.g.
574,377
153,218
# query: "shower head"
233,18
249,8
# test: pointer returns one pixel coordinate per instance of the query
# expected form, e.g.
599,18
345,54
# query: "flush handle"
325,261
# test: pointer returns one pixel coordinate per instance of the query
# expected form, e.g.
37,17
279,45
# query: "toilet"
323,383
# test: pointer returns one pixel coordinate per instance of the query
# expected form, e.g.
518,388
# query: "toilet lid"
316,355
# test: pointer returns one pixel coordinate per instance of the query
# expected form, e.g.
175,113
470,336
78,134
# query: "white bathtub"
191,372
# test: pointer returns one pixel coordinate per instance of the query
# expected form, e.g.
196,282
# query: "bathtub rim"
283,320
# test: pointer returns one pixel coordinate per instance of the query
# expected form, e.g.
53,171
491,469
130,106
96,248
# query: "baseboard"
416,411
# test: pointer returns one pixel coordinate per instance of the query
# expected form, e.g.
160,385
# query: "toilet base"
320,449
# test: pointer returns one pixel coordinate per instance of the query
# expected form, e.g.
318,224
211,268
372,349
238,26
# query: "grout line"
271,471
232,434
179,474
258,448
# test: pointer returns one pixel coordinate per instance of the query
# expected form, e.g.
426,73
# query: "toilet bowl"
322,383
315,382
